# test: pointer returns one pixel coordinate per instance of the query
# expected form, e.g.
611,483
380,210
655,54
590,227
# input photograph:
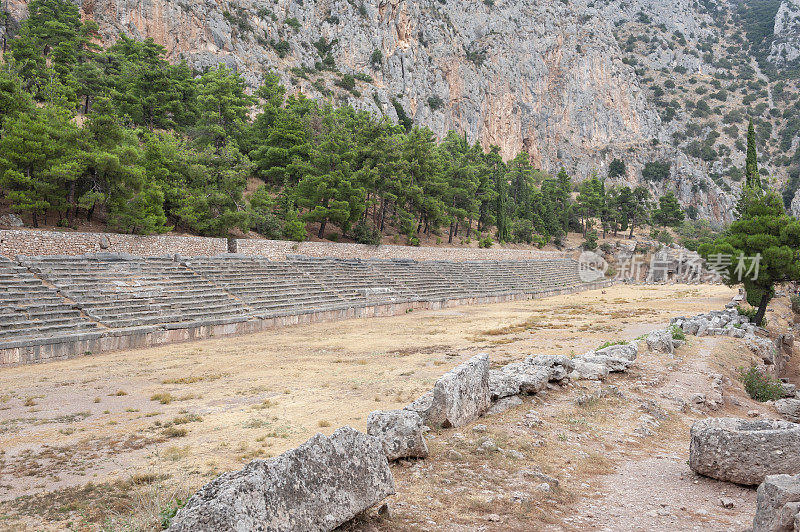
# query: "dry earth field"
111,441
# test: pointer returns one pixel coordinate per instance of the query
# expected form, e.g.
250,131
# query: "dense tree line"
122,134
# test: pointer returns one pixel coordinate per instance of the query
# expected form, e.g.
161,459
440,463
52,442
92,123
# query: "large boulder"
767,351
317,486
459,396
560,365
789,409
612,363
744,451
502,384
11,220
660,341
626,351
400,433
588,370
518,378
778,504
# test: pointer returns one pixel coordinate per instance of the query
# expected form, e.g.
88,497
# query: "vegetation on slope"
145,145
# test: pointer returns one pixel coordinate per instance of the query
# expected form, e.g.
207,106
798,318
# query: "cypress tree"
753,179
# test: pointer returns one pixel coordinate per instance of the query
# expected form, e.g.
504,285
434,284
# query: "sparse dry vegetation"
223,423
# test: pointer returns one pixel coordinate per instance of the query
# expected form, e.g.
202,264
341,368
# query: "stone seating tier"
47,297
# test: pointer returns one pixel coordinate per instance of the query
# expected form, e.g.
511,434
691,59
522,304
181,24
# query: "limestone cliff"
785,47
553,79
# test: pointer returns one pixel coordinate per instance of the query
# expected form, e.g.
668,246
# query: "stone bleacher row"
54,296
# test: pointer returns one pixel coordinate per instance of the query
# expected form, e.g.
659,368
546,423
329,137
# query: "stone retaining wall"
15,242
20,353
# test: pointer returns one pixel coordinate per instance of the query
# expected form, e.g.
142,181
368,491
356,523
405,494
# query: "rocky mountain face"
574,83
785,48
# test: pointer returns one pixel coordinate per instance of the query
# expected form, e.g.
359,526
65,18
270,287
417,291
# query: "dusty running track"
112,439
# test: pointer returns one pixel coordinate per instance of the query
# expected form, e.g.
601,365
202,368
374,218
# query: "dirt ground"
112,441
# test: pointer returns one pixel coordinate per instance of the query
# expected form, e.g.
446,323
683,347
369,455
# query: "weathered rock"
400,433
317,486
502,384
560,365
744,451
588,370
691,327
660,341
459,396
531,378
626,351
612,363
764,348
11,220
518,377
789,409
777,504
504,404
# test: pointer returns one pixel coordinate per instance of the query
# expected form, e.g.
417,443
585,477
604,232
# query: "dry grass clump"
174,432
192,379
164,398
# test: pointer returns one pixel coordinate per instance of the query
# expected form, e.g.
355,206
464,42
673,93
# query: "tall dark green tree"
752,176
764,230
669,212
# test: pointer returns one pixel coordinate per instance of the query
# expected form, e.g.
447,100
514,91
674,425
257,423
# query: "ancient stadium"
399,265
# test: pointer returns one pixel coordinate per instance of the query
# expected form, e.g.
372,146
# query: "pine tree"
764,229
669,212
223,106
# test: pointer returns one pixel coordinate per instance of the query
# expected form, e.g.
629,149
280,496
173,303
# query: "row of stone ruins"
763,452
327,481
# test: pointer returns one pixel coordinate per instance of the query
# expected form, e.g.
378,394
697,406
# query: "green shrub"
760,386
795,304
609,344
486,242
435,102
294,229
664,237
347,82
540,241
292,23
268,225
167,513
677,333
413,241
591,241
365,233
281,47
750,312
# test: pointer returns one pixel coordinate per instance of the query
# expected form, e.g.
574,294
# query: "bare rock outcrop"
459,396
744,451
317,486
400,433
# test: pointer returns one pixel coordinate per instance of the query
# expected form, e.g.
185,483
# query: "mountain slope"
572,83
